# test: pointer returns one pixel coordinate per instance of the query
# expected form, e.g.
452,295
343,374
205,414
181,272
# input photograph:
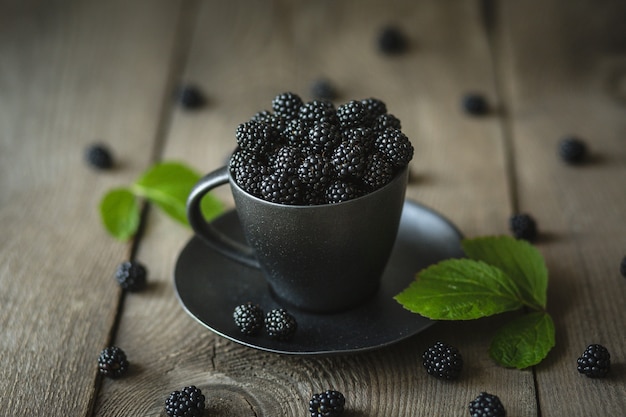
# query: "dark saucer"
209,287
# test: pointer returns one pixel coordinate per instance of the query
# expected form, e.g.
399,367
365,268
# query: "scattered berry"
523,226
486,405
191,97
189,402
392,41
249,318
595,361
99,156
329,403
280,325
443,361
131,276
323,89
112,362
622,267
572,150
475,104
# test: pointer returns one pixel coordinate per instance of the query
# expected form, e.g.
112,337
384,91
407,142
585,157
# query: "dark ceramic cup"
322,258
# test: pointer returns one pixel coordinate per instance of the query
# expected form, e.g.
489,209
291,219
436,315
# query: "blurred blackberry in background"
475,104
392,41
523,226
191,97
131,276
323,89
622,267
99,156
572,150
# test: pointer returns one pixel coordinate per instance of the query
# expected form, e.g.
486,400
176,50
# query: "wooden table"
73,73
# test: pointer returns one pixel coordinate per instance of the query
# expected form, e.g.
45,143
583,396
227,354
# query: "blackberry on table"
395,146
131,276
280,325
329,403
523,227
486,405
378,171
595,362
443,361
622,267
112,362
572,150
191,97
392,40
287,105
188,402
475,104
99,156
352,114
248,318
282,188
339,191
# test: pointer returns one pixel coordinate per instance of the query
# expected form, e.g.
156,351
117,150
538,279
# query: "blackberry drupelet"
280,325
323,137
329,403
622,267
131,276
319,111
386,121
248,318
255,137
287,105
323,89
475,104
486,405
395,146
339,191
349,160
112,362
188,402
572,150
443,361
352,114
378,172
523,227
99,156
282,188
595,362
191,97
392,40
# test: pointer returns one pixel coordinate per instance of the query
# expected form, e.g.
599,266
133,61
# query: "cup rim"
401,173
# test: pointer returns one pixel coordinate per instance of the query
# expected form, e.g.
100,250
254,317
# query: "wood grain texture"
71,73
557,82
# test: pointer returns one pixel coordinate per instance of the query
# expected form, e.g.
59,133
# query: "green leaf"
524,342
168,185
119,211
460,289
519,260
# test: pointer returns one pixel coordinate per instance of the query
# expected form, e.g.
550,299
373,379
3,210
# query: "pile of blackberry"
315,153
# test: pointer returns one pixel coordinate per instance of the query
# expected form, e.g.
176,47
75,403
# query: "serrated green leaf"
524,342
460,289
518,259
119,211
168,185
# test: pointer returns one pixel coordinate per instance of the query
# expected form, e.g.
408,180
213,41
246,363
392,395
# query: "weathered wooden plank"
71,73
557,66
242,54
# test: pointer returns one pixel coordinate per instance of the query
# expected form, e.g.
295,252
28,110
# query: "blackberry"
112,362
280,325
486,405
378,171
324,137
339,191
323,89
362,135
352,114
255,137
131,276
523,226
248,318
572,150
319,111
392,40
375,108
386,121
248,170
395,146
329,403
622,267
282,188
595,362
349,160
297,132
188,402
443,361
277,123
475,104
315,171
99,156
287,105
286,159
191,97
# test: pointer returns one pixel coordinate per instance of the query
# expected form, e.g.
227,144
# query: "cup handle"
213,237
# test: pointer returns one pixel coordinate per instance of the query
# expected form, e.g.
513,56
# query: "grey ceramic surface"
210,286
